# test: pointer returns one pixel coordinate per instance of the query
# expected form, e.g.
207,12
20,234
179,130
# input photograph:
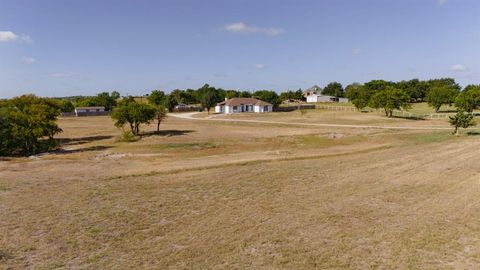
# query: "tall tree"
441,95
469,99
160,114
358,95
390,99
333,89
210,97
28,125
156,97
268,96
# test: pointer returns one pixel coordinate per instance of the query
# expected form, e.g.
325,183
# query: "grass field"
224,195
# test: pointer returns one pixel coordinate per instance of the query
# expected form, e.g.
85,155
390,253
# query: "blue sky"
65,47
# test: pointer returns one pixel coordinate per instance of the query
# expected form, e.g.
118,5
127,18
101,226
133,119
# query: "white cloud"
243,28
28,60
356,51
63,74
9,36
259,66
458,68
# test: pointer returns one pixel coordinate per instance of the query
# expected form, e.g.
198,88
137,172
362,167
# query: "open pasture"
216,195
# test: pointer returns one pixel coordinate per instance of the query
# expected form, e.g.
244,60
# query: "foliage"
160,114
291,95
127,136
461,120
28,125
390,99
102,99
268,96
133,114
156,97
169,102
333,89
469,99
67,106
358,95
441,95
210,97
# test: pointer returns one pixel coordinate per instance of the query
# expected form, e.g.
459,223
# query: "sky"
66,47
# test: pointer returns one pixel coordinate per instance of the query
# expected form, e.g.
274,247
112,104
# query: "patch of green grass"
433,137
188,146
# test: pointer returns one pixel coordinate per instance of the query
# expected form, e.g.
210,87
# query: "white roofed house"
240,105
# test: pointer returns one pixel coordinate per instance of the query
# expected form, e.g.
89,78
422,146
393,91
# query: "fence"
290,108
404,114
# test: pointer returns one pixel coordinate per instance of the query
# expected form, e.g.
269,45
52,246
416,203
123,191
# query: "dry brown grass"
214,195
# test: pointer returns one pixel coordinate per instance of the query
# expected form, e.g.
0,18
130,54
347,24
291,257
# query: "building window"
265,108
234,108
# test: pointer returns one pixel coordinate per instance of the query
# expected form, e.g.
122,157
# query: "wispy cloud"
63,74
9,36
242,28
259,66
458,68
28,60
356,51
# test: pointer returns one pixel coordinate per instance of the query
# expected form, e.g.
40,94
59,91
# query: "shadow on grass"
168,133
408,117
62,151
81,140
473,133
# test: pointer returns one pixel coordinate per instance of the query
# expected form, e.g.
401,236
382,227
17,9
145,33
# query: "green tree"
333,89
160,114
134,114
461,120
115,95
156,97
441,95
169,102
28,125
268,96
469,99
390,99
67,106
377,85
231,94
358,95
245,94
210,97
106,100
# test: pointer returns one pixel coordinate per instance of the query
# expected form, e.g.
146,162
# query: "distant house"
322,98
90,111
181,106
239,105
312,91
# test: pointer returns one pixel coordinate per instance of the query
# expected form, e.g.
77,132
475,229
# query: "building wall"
242,108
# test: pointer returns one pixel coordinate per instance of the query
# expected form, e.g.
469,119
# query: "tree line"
389,95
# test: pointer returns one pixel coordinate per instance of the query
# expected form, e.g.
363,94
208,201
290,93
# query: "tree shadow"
62,151
473,133
167,133
415,118
81,140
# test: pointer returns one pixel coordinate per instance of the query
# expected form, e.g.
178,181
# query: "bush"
127,136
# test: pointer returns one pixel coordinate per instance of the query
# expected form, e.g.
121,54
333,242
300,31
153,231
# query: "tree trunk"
158,125
457,131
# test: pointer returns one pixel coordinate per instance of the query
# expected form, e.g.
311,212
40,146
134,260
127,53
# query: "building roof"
243,101
90,108
314,88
